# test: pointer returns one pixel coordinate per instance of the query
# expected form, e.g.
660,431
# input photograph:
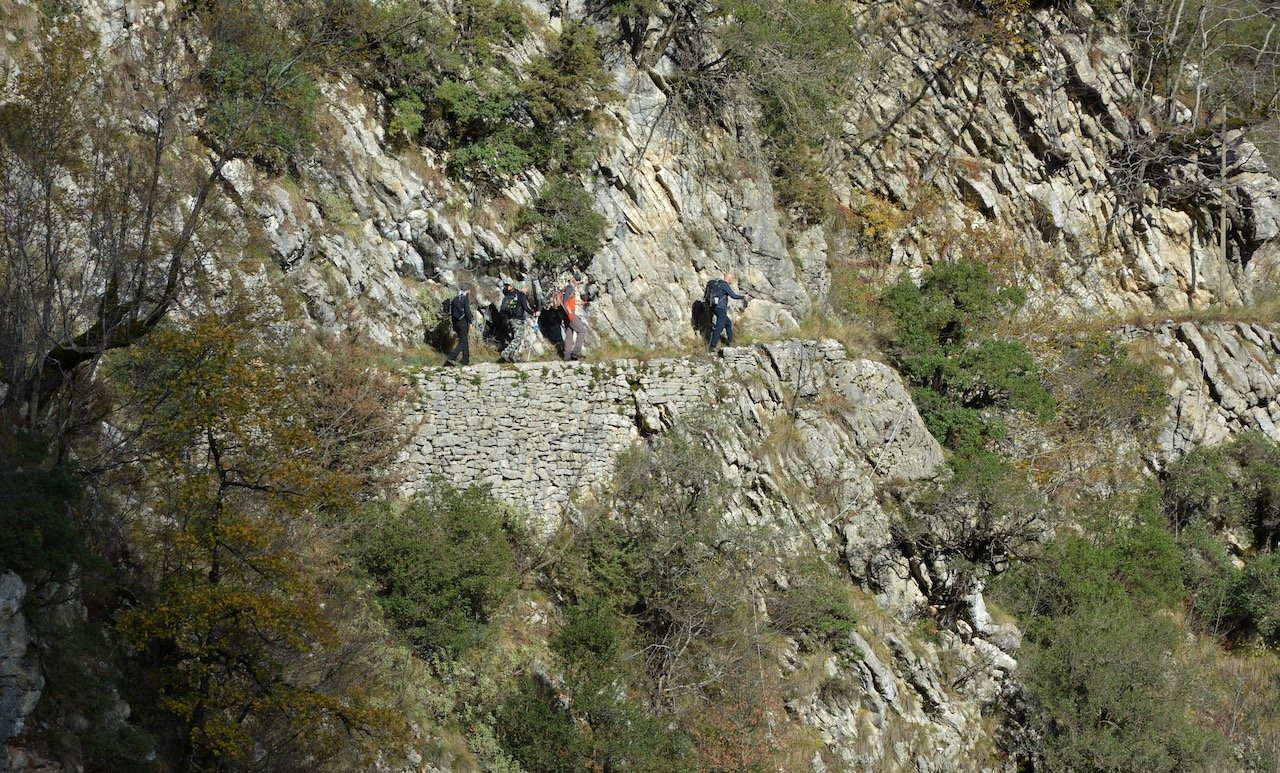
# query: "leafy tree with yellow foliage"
248,651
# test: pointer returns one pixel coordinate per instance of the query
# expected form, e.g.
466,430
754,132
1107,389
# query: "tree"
246,647
441,562
108,175
959,371
1101,654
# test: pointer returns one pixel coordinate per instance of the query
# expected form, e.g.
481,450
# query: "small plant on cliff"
566,228
815,608
959,371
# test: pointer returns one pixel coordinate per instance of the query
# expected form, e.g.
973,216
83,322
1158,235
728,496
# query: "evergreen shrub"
441,562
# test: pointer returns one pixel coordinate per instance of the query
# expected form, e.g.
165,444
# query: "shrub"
976,522
957,370
539,732
796,59
659,606
1111,694
441,562
1123,551
1100,650
597,724
814,608
595,636
261,101
1100,387
565,225
1234,602
1236,485
570,82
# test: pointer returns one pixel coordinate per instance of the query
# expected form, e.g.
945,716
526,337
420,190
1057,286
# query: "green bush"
598,724
957,370
1236,603
441,562
1123,551
494,121
595,636
815,608
540,733
1111,694
1100,653
797,59
659,615
37,507
567,229
1236,485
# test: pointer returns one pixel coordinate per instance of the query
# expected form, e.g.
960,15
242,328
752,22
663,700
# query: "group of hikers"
564,318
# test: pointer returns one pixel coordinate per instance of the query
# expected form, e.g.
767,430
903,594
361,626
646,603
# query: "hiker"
718,295
572,303
515,310
460,316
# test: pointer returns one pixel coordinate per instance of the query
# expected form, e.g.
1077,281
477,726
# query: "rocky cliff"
954,142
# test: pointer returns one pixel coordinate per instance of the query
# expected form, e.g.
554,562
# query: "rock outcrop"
1042,161
20,680
808,438
1223,379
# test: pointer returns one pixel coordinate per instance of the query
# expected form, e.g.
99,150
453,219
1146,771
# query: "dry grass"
1240,698
860,338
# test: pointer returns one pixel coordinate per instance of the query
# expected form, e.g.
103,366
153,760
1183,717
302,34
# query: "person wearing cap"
516,310
460,315
576,330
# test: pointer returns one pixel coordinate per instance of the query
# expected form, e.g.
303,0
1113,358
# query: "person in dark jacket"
460,315
720,294
516,310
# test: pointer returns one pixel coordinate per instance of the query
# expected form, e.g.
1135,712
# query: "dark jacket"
460,310
721,292
521,309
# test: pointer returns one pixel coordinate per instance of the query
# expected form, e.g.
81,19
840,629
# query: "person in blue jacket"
718,298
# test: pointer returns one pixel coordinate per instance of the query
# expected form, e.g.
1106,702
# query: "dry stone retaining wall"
538,433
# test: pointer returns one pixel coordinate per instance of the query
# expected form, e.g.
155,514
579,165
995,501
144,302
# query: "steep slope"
1011,138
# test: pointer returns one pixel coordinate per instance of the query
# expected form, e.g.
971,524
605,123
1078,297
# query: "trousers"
723,326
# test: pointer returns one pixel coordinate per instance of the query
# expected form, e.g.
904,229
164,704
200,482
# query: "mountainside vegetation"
223,574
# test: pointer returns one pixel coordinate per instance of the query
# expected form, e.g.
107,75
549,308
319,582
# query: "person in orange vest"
574,305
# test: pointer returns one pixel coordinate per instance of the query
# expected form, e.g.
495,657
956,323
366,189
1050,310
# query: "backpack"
510,304
455,309
712,294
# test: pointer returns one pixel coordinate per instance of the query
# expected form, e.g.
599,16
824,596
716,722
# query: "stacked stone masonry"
539,433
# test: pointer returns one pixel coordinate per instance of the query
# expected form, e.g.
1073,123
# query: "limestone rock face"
1022,161
1033,156
20,681
1223,379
